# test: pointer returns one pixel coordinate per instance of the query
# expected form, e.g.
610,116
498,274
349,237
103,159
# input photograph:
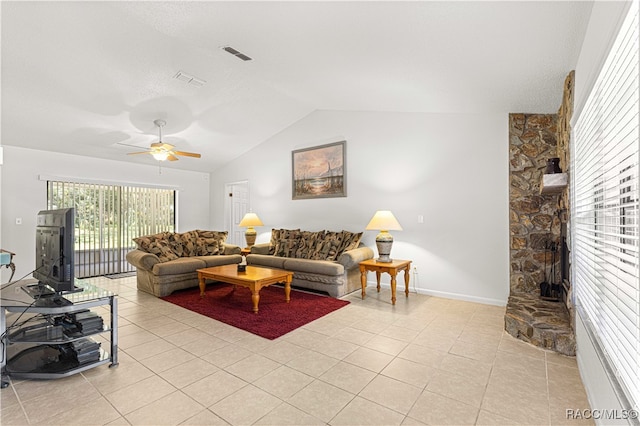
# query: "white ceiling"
87,77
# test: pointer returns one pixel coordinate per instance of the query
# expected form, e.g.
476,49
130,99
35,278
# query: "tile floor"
425,361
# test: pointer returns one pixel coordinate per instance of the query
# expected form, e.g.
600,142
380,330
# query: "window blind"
604,220
108,217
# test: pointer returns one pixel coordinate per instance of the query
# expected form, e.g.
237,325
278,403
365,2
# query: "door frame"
229,219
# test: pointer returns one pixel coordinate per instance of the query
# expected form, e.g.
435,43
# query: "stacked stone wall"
533,217
536,221
565,114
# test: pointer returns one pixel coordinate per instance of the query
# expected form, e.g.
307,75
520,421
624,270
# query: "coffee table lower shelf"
254,278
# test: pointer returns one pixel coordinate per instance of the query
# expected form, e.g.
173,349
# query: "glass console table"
48,339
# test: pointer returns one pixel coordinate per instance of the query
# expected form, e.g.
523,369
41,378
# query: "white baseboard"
444,295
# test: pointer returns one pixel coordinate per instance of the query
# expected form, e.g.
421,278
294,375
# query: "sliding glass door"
108,217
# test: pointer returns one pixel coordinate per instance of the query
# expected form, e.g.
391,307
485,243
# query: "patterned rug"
274,318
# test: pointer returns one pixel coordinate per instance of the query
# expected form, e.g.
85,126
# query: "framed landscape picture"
319,171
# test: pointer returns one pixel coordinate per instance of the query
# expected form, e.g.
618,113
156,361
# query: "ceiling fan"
163,151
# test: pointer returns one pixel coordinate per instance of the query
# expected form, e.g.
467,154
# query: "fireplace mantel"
553,183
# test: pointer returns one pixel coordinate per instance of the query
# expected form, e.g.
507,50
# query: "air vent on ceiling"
236,53
189,79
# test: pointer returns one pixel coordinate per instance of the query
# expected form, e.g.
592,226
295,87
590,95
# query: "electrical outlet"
420,218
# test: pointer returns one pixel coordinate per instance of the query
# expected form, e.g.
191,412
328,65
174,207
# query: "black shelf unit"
46,349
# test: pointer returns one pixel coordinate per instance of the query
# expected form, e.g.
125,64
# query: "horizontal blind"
605,254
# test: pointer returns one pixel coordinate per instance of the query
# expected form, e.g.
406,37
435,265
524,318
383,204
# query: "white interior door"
236,206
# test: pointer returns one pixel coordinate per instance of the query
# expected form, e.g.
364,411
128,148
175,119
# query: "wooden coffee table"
254,278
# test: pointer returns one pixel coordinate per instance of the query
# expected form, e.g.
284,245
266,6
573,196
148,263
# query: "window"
108,217
604,220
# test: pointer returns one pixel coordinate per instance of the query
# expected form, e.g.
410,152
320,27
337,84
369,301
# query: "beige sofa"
168,261
324,261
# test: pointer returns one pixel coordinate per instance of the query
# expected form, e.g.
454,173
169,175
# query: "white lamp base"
250,236
384,241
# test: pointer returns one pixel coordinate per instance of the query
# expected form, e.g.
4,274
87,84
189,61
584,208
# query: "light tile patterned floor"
425,361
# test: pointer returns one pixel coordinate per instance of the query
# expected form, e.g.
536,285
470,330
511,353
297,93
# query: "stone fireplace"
539,253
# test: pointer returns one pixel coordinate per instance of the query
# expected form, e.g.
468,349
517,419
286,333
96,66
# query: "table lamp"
384,221
250,220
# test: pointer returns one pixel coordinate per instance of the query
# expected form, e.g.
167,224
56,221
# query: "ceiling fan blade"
129,145
172,157
136,153
187,154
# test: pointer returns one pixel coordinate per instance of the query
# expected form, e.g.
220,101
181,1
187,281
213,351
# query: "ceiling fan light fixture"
162,151
160,156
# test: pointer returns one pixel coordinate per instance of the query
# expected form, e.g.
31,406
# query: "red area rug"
275,316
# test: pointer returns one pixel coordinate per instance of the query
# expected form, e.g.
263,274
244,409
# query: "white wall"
24,194
450,168
606,17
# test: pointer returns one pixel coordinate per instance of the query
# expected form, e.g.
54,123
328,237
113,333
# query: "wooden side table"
245,251
392,268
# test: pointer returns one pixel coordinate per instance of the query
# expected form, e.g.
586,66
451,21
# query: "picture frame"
319,171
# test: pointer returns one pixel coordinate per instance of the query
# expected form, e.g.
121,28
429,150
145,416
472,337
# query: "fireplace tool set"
549,290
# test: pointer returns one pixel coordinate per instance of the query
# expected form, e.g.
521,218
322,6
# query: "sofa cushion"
313,266
207,247
350,241
145,241
307,244
163,250
279,235
320,245
266,260
184,244
210,242
180,265
216,260
318,251
331,245
286,247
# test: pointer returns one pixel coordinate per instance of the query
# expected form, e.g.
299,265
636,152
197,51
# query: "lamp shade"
384,220
251,219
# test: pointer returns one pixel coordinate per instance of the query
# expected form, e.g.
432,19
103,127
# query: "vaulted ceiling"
90,78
